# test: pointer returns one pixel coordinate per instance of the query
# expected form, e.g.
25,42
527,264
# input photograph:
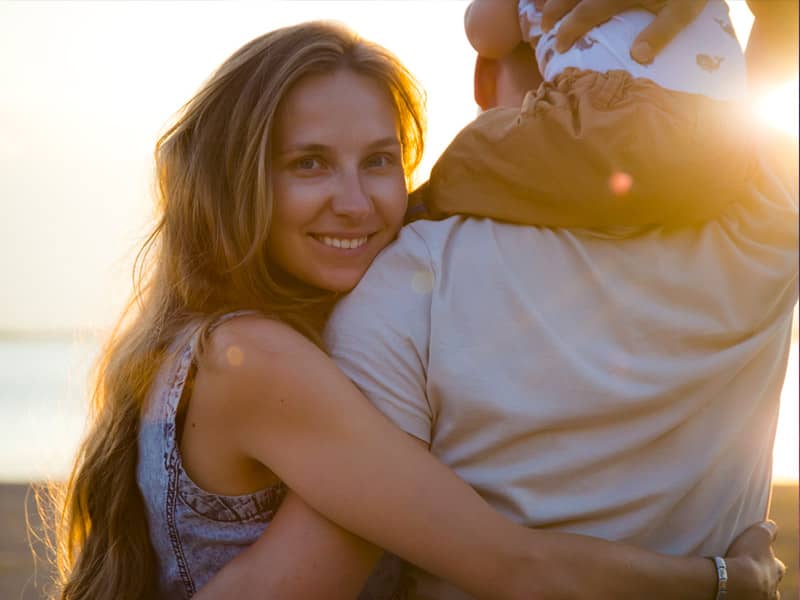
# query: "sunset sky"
88,86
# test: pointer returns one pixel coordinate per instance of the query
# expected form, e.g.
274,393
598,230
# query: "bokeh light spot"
234,355
422,282
620,183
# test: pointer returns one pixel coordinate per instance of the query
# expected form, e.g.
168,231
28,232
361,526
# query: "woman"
280,182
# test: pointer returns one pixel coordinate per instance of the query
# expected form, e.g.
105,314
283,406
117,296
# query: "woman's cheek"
393,199
299,197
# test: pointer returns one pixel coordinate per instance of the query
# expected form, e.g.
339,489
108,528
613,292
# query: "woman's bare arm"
303,556
292,409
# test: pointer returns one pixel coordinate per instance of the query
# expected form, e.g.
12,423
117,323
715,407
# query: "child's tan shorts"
595,150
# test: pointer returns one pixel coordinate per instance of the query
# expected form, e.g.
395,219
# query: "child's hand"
671,17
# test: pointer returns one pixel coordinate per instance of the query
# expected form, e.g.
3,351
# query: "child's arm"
492,27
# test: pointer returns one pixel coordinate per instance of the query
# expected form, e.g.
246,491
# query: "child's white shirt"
705,58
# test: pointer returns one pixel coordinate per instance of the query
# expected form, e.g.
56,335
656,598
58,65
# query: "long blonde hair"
206,256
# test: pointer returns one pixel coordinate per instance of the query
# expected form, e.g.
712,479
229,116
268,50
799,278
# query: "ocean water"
43,408
43,405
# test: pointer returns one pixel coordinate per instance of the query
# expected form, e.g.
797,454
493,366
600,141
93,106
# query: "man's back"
619,386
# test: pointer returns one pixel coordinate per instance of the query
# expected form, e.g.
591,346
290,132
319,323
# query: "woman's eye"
307,163
381,160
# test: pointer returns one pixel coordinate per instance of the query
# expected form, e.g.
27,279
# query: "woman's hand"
672,16
753,569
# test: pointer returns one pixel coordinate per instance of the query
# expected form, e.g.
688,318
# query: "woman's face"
338,182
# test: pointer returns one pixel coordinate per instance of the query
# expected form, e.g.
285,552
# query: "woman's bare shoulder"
250,360
269,385
254,346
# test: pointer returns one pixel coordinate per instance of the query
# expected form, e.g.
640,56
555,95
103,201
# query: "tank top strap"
202,333
228,316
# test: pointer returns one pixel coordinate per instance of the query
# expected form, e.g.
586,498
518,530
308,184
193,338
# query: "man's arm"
772,60
304,555
772,47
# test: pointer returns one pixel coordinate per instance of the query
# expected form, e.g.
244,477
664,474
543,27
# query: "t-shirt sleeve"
378,335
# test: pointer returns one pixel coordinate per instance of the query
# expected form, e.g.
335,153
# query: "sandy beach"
20,579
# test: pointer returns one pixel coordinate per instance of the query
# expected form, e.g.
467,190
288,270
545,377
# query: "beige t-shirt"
616,385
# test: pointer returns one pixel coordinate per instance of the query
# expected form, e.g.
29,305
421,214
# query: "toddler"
605,140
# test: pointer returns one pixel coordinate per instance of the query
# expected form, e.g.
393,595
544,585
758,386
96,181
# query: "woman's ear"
485,82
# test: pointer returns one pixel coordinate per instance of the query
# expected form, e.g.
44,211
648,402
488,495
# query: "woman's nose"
351,198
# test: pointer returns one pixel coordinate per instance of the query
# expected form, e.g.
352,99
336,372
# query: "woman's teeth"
347,243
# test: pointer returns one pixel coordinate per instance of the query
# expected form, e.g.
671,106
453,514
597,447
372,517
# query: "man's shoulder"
417,243
427,233
402,277
433,238
395,289
404,266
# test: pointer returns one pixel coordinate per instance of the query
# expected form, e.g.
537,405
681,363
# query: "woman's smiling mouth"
341,242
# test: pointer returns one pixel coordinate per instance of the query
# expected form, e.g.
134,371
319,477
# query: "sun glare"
778,108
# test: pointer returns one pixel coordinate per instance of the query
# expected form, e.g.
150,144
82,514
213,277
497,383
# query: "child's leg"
705,58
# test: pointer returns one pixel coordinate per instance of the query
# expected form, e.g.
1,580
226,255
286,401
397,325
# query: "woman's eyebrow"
384,142
321,148
301,147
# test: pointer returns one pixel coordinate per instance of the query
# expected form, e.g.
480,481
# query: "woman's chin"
341,284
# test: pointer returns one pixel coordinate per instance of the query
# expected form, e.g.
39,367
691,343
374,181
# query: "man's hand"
672,16
753,570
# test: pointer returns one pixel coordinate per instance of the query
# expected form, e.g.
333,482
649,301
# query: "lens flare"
234,355
620,183
778,108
